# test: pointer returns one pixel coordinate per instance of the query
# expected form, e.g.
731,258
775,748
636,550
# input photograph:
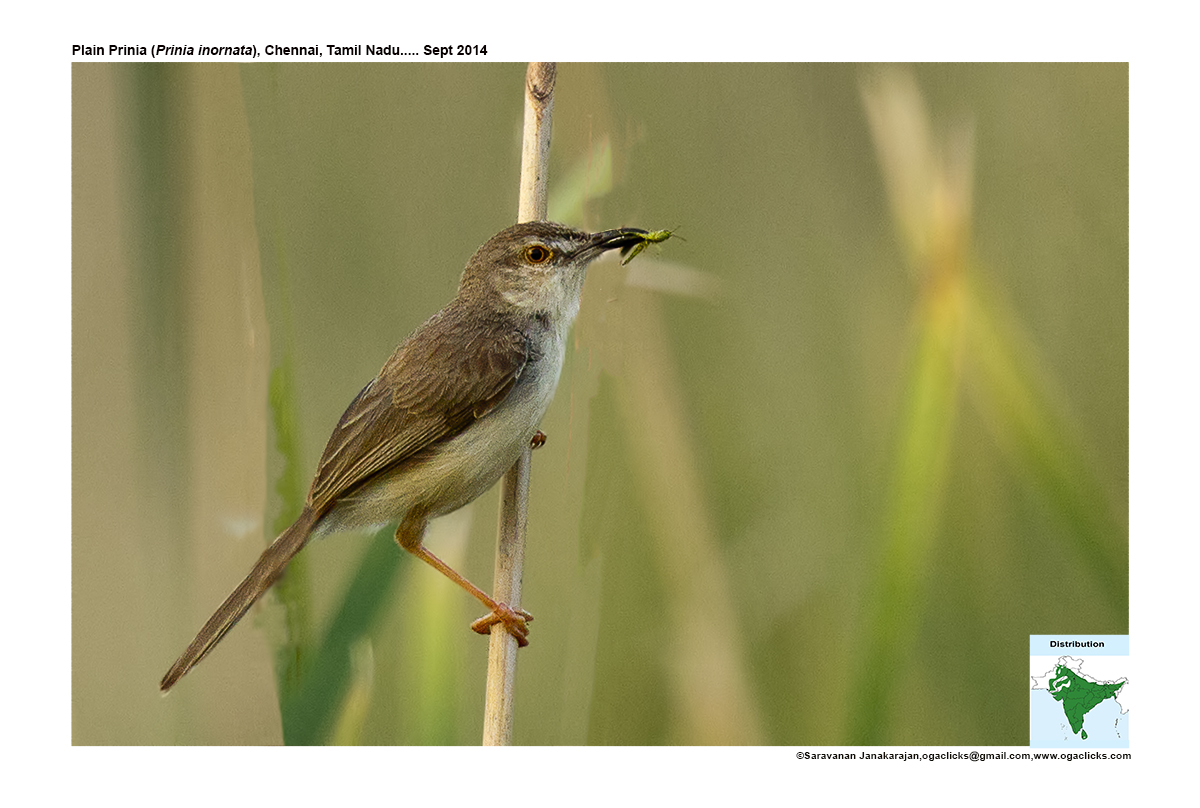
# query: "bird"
450,411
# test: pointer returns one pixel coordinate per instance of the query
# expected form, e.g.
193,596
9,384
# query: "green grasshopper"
630,252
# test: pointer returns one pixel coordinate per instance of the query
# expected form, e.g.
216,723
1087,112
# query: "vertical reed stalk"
514,496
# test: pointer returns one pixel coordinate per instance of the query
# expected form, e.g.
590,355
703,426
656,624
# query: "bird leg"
513,620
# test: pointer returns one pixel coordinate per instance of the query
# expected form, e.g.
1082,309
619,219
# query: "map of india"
1075,693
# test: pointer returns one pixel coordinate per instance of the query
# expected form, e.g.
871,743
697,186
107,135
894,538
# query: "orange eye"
537,254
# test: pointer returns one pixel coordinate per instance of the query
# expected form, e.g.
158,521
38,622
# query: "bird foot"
513,620
538,440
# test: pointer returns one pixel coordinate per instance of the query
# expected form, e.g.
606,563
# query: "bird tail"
266,571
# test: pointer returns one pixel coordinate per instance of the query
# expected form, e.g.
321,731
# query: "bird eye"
537,254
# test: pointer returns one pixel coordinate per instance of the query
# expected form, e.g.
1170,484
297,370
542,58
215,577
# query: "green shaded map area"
1078,695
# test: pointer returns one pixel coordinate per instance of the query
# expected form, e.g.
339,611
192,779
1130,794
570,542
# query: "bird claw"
538,440
513,620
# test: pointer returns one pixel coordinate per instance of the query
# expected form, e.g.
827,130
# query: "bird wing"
450,373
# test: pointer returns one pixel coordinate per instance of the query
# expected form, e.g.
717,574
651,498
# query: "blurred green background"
813,475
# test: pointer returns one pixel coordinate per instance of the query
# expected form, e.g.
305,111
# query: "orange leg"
513,620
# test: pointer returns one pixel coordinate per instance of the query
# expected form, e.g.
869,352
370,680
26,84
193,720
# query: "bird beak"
623,238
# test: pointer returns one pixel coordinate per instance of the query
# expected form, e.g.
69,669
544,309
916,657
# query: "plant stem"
514,492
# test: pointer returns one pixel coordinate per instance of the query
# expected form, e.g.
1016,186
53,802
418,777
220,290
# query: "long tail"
266,571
